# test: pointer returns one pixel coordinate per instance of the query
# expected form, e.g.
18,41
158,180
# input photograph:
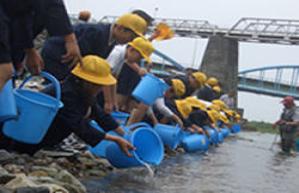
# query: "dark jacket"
206,93
92,39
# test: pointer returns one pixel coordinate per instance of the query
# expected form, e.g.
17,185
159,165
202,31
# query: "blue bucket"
149,89
213,135
236,128
194,142
170,135
120,117
36,112
225,131
220,137
100,149
8,107
149,150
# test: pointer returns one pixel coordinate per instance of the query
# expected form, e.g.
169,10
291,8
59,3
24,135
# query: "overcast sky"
223,13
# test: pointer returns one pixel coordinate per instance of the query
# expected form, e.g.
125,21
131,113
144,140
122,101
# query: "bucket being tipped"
100,149
120,117
36,112
170,135
149,150
195,142
236,128
149,89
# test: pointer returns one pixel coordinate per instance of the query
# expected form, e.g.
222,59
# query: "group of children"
102,80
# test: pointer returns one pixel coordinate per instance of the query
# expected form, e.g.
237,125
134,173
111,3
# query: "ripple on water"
242,164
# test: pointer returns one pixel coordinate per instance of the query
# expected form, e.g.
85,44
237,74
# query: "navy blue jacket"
92,39
206,93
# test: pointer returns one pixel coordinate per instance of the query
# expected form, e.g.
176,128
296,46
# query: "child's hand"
142,72
125,146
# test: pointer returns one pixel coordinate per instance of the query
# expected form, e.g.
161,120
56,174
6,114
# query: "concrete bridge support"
221,61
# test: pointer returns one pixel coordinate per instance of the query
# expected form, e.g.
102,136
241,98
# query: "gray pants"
287,140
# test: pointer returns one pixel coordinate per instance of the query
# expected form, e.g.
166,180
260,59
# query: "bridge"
276,81
221,55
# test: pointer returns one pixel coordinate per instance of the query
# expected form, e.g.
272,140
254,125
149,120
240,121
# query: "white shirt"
229,101
116,59
162,108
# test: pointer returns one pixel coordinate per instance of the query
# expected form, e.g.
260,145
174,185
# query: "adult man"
288,124
229,99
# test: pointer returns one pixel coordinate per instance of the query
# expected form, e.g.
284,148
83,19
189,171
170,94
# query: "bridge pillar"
221,61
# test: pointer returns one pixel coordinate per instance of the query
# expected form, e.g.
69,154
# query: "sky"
223,13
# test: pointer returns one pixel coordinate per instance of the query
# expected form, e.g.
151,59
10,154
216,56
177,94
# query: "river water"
242,164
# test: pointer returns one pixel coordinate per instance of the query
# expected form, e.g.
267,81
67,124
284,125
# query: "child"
128,78
193,81
160,112
79,93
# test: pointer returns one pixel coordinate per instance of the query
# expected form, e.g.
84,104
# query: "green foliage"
262,127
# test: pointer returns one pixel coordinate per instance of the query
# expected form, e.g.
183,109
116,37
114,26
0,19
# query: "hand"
142,72
108,107
72,53
120,131
179,121
33,61
125,146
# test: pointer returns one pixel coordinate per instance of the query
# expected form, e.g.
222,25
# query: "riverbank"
49,171
258,126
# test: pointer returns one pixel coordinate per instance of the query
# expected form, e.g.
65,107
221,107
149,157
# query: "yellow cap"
144,47
200,77
213,115
95,70
214,107
194,102
216,89
133,22
230,113
183,107
238,117
212,81
165,32
223,118
178,87
220,103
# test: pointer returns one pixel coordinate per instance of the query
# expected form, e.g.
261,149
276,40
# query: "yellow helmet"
183,107
237,117
220,103
214,107
144,47
95,70
133,22
194,102
200,77
223,118
178,87
212,81
216,89
213,115
229,113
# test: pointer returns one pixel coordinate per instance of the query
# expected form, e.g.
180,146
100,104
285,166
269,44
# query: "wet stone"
32,190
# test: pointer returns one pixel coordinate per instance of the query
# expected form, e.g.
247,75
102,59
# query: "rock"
32,190
12,168
5,157
5,190
50,171
5,178
38,173
65,177
55,154
20,181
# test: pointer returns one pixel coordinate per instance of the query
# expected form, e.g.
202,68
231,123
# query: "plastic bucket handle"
49,77
136,125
